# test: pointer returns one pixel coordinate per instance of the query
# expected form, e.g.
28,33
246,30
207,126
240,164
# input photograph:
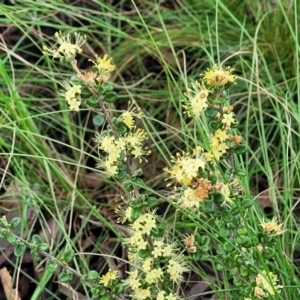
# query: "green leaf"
74,79
211,112
268,253
157,232
197,256
219,198
136,212
127,184
43,246
224,232
68,255
110,97
205,240
205,248
240,149
214,125
98,120
14,223
36,257
244,272
121,128
105,88
152,201
220,101
227,216
93,275
230,262
139,182
19,250
242,231
118,289
228,247
240,173
11,238
247,203
93,100
51,266
212,178
85,93
237,282
205,256
37,239
65,276
121,174
243,240
144,253
220,267
235,210
202,174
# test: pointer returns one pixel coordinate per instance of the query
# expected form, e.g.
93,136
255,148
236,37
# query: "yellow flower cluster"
272,228
129,115
186,166
196,99
109,277
266,285
220,138
131,145
103,66
218,75
66,48
144,280
72,95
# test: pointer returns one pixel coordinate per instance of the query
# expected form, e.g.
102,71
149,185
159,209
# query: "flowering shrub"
207,192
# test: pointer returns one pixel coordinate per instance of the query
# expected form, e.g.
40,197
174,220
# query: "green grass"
48,151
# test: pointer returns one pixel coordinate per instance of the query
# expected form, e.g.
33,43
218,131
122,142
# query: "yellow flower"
66,48
228,119
74,104
105,64
189,199
141,294
137,241
153,275
134,281
129,115
266,284
217,148
221,135
175,268
272,227
108,277
147,265
196,99
218,75
72,94
144,224
124,214
186,167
